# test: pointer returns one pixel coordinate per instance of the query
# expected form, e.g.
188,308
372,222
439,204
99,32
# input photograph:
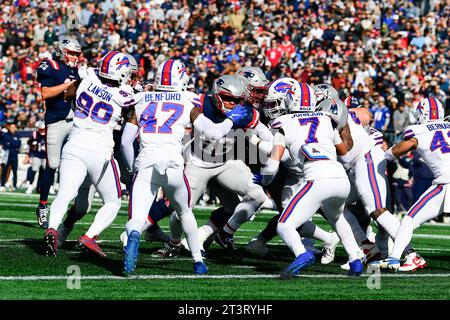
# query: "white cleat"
329,250
29,189
63,233
413,262
345,266
257,247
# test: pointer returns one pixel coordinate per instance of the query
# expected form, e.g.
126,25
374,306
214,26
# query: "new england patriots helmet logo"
248,74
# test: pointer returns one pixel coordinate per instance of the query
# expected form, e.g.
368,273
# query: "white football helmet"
115,66
325,91
230,91
280,97
257,84
304,98
429,109
68,50
172,76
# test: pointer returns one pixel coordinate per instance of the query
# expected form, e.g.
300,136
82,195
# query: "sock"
291,238
205,231
310,230
348,240
47,181
358,232
403,238
176,229
104,217
389,223
242,213
72,217
270,231
189,225
382,242
57,211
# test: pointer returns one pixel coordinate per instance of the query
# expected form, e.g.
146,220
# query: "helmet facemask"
274,108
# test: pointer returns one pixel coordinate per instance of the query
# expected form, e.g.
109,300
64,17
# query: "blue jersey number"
313,123
148,118
439,142
84,108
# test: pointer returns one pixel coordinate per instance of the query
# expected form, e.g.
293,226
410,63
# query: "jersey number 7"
148,118
314,123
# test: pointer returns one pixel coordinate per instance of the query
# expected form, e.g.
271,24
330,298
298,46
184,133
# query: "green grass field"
26,274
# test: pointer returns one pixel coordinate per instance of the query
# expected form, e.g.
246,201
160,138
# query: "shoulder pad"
48,64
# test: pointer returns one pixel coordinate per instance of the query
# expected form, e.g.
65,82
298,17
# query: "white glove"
82,71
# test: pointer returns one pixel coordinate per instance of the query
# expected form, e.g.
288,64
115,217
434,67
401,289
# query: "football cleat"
302,261
391,263
356,268
226,241
63,233
200,268
84,242
42,213
346,266
329,250
371,251
413,262
169,251
51,242
158,235
258,248
131,253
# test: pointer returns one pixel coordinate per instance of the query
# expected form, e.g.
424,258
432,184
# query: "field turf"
26,274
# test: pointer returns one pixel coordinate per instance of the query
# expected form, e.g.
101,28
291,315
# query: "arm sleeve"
126,144
210,129
263,132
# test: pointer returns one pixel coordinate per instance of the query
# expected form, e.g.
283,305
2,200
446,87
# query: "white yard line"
222,276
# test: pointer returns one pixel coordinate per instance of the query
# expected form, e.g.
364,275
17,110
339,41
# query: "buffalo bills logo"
124,62
284,87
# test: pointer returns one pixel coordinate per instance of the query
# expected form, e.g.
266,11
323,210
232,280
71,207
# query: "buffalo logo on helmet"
125,61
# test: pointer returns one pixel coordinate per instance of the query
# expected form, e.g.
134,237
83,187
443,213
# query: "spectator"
11,144
400,117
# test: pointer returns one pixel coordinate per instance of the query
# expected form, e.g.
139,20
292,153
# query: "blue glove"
257,178
240,115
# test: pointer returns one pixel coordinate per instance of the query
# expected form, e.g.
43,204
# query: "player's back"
362,142
434,146
162,118
311,139
98,111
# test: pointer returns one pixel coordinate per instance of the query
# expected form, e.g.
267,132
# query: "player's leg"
143,191
300,209
106,179
73,171
333,209
429,206
176,186
238,178
56,133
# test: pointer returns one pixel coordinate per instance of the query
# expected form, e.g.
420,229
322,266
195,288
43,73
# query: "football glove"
240,116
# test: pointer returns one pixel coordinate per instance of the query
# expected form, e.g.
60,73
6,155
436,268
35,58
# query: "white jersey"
362,142
162,118
434,147
311,139
98,111
376,136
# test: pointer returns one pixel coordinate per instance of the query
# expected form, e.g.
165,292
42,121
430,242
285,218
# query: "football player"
55,76
36,156
89,150
430,138
161,118
312,140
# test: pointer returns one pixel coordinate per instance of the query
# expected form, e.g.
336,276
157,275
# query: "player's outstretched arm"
401,148
129,134
210,129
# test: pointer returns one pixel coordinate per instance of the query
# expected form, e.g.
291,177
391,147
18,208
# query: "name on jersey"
438,126
151,97
100,92
307,114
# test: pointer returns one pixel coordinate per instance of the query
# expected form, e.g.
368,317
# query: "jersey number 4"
100,112
439,142
148,119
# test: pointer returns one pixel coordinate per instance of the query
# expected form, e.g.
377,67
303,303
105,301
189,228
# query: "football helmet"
325,91
230,91
429,109
336,109
280,97
134,71
115,66
257,84
304,98
352,102
172,76
68,50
